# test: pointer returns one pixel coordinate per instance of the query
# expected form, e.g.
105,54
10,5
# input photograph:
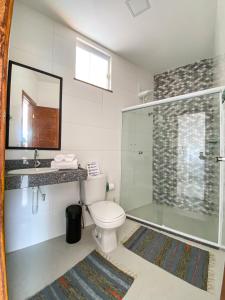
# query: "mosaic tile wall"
183,176
184,80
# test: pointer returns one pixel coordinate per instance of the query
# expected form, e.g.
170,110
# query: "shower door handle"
211,157
220,158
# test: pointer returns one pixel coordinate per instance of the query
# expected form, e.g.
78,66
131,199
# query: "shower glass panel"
170,173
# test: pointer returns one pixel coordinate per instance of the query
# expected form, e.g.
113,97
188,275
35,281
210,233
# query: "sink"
32,171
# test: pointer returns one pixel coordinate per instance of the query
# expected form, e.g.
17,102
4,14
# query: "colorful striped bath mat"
92,278
180,259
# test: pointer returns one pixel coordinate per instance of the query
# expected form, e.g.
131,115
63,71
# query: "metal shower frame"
220,91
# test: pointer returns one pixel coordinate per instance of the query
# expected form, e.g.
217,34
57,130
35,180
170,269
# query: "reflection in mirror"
34,108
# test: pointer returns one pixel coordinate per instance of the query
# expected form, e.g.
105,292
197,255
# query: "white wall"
91,119
220,28
23,228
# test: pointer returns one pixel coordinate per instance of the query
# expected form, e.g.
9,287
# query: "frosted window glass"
92,66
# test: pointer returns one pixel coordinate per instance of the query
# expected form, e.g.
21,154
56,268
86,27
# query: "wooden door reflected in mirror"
39,124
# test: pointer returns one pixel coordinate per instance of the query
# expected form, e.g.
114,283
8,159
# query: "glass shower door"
137,166
170,173
194,208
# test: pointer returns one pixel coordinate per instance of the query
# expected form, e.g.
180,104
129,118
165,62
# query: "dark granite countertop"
25,181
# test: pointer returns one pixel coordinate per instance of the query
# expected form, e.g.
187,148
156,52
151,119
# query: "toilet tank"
93,189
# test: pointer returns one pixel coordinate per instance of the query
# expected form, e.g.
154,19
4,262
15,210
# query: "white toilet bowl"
107,216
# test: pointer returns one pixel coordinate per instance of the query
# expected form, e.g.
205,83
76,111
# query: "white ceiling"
172,33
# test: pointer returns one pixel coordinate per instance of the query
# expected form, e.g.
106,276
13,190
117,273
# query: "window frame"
98,50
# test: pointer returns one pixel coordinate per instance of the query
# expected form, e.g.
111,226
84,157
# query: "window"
92,65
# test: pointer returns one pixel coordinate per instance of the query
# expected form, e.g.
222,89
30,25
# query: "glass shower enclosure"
172,173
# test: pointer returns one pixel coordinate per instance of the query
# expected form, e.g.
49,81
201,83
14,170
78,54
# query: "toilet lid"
106,211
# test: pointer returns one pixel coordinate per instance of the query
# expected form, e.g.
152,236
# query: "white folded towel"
59,157
70,157
64,157
65,164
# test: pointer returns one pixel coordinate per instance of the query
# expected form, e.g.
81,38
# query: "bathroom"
148,51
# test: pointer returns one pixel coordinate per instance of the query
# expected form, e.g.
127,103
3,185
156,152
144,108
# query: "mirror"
34,109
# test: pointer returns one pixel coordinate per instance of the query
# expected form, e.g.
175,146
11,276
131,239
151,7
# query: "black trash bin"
73,223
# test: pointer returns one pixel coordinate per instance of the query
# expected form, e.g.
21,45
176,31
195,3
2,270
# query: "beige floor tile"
30,269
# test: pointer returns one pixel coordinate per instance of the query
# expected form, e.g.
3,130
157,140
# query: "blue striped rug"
92,278
180,259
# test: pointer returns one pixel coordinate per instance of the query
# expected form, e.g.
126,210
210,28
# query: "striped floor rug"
92,278
180,259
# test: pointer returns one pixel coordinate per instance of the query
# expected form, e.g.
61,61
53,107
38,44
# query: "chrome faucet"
36,162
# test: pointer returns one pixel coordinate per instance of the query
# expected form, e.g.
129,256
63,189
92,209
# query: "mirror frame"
11,63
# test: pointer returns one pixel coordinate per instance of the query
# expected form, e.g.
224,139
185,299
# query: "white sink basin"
32,171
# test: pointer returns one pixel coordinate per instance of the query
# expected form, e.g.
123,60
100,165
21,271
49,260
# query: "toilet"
107,215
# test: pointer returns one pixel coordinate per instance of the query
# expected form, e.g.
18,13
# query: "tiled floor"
31,269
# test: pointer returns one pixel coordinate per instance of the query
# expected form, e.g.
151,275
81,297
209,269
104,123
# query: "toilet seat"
106,211
107,214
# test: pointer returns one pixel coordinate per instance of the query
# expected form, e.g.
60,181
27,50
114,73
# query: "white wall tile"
81,111
89,138
29,33
30,59
111,111
64,51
